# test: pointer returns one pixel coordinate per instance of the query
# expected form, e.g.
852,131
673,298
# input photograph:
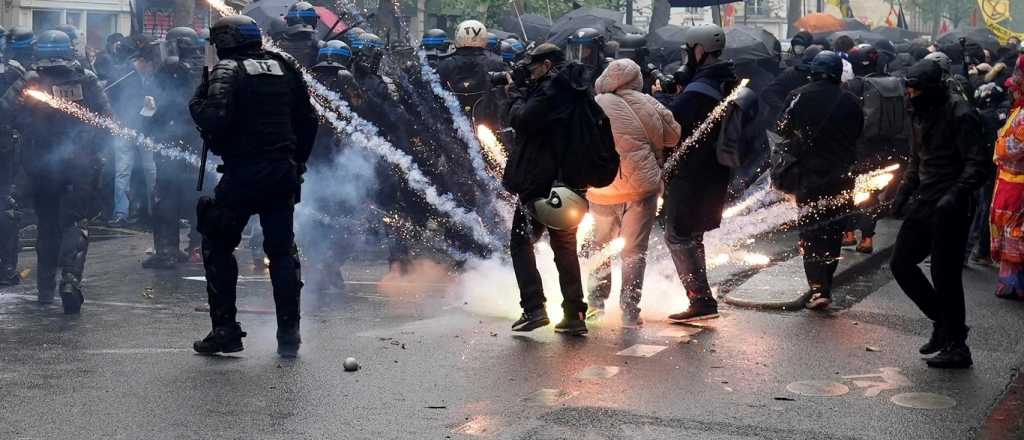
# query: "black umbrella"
982,36
502,35
857,36
630,29
664,44
537,26
745,43
895,34
853,24
600,19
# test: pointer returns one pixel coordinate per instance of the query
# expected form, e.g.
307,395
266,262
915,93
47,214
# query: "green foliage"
955,11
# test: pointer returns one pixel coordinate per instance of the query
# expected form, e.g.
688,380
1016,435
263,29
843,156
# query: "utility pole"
716,14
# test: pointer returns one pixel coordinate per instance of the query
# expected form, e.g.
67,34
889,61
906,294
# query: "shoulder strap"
704,88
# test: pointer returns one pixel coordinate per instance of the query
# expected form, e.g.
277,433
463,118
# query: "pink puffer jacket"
642,128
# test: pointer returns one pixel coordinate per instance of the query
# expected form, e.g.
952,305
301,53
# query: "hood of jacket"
620,74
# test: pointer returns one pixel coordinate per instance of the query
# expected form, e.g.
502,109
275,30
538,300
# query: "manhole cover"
923,401
818,388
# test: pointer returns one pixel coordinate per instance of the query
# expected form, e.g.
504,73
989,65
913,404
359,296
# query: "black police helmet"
68,29
183,37
302,15
236,32
827,64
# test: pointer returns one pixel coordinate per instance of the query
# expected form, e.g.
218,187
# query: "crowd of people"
592,124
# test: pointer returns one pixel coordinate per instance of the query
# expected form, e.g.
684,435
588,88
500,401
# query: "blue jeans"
125,155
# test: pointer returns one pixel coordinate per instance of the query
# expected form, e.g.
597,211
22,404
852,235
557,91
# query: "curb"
783,286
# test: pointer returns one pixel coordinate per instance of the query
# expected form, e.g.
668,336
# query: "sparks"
221,7
85,115
873,182
702,130
492,147
584,229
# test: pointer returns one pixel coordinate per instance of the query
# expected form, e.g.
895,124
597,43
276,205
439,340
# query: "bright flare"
584,229
702,130
222,8
872,182
756,259
492,147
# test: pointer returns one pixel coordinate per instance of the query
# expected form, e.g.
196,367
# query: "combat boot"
955,354
227,339
71,296
936,342
288,341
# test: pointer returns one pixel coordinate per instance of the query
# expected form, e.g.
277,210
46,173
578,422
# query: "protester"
697,188
642,128
254,112
820,128
539,103
1007,216
947,164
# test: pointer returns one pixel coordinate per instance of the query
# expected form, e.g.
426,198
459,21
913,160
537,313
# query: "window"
694,11
43,20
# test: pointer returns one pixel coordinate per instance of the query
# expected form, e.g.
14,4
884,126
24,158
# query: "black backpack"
886,118
739,114
589,159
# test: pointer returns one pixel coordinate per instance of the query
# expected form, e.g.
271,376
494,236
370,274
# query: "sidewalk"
784,285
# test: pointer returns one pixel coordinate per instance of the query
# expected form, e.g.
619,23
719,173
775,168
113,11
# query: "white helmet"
471,33
562,210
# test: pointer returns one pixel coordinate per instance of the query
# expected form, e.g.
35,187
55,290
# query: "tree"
660,13
956,11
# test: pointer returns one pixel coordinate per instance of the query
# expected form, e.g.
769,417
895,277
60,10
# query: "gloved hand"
948,203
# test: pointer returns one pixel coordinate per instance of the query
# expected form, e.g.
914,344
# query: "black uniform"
465,73
255,113
63,169
12,82
301,45
830,120
170,124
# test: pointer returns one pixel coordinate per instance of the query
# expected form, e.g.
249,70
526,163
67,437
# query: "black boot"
698,311
226,339
572,324
531,320
288,341
955,354
71,296
936,342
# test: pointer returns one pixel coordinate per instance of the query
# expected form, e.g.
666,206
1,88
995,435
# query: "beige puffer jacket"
642,128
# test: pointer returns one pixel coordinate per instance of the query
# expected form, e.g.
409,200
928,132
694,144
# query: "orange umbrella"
820,22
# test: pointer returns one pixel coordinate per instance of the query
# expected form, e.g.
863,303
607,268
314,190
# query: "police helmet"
586,46
334,54
183,38
70,30
301,16
826,65
435,39
493,44
508,53
21,44
277,27
631,46
471,33
366,41
942,59
53,48
236,32
561,210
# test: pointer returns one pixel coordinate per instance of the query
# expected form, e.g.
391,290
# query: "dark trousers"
944,237
525,233
688,255
267,190
64,201
173,200
10,219
821,242
980,239
864,220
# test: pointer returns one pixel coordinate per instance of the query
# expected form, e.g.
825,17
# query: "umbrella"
630,29
853,24
537,26
857,36
599,19
664,43
895,34
502,35
820,22
980,35
263,11
745,43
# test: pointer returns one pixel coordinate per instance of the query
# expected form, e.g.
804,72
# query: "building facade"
95,19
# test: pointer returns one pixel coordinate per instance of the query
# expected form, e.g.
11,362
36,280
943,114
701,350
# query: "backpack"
885,110
730,147
589,158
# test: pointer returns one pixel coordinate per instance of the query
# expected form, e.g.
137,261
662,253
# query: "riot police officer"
13,81
20,47
254,112
63,169
435,44
167,83
465,73
586,46
76,44
512,50
300,40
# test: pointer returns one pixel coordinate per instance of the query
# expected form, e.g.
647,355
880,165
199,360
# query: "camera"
669,82
520,75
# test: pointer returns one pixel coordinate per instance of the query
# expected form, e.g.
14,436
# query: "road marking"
598,372
137,351
642,350
891,379
923,401
818,388
34,298
548,397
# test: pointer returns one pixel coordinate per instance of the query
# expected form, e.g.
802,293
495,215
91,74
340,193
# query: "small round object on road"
350,364
818,388
923,401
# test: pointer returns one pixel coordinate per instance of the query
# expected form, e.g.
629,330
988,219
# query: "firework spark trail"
606,253
221,8
459,120
364,134
495,151
83,114
701,131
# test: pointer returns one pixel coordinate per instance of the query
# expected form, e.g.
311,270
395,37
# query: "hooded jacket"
642,127
538,114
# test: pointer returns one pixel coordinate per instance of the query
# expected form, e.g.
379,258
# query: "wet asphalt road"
430,370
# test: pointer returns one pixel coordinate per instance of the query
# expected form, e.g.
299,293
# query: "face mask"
799,50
